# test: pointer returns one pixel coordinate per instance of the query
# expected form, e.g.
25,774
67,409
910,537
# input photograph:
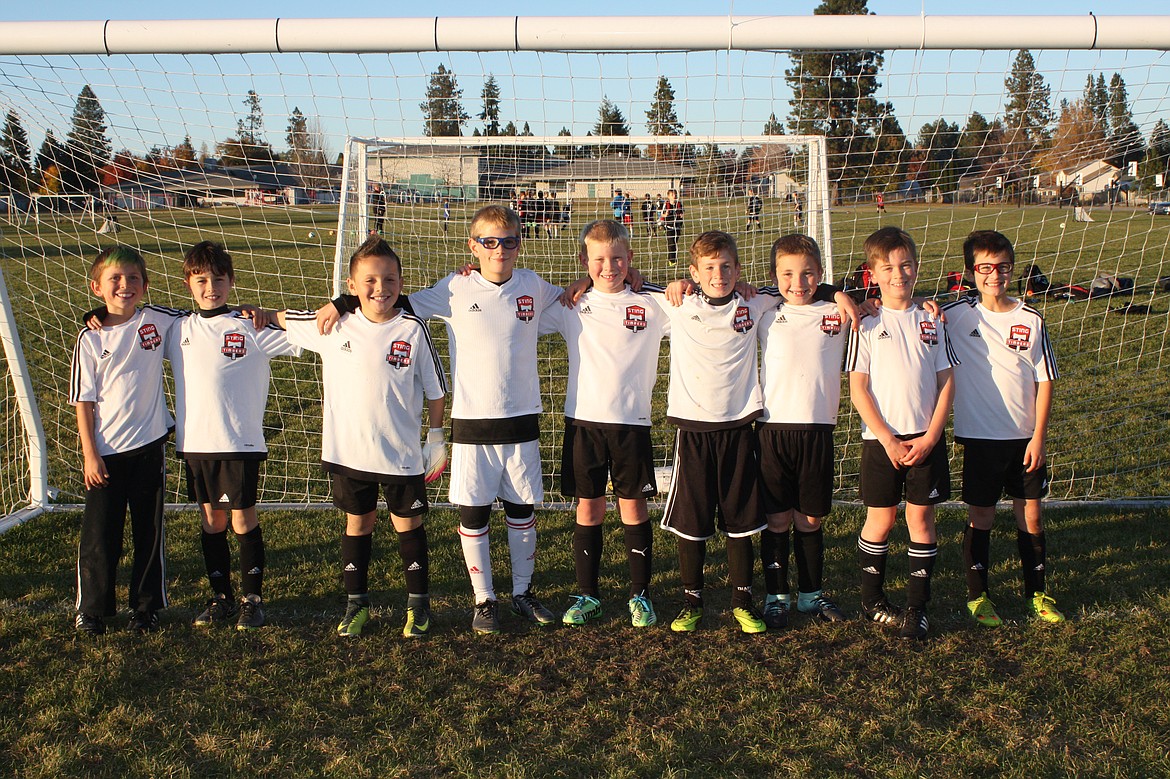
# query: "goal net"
132,133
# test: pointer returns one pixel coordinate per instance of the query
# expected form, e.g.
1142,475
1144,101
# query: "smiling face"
895,274
607,263
121,287
495,264
716,274
992,273
797,277
377,282
209,289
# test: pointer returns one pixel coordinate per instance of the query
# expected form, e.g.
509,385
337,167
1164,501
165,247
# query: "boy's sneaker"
816,604
219,610
983,611
749,619
418,622
1044,608
583,609
143,622
642,612
688,619
526,605
90,625
251,615
775,613
914,624
883,612
486,618
357,614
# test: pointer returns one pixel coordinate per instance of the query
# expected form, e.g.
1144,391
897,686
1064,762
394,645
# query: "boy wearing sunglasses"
1004,371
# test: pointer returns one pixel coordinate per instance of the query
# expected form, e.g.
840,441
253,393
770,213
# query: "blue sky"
158,100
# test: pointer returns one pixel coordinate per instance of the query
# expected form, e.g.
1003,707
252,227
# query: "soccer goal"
836,124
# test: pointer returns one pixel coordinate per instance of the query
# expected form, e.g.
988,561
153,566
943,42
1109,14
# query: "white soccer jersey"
220,365
375,376
714,381
120,369
613,342
801,364
903,352
492,331
999,357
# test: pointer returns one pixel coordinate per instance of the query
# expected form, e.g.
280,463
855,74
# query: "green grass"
1110,417
1086,698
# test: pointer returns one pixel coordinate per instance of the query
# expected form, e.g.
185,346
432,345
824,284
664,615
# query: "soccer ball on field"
312,235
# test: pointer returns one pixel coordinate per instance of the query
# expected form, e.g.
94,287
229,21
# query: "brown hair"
117,255
986,242
494,216
713,243
605,231
879,245
374,246
799,244
208,257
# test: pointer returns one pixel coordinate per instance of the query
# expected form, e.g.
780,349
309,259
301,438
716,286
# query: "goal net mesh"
250,150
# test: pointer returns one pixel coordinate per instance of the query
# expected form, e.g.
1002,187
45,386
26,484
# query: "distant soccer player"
613,336
378,366
671,219
122,419
902,385
802,344
1003,398
220,364
755,207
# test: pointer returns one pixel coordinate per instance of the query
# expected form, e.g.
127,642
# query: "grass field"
1086,698
1110,418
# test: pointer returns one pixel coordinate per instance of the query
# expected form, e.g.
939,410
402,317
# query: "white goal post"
268,135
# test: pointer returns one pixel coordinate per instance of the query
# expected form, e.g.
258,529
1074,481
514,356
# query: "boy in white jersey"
901,383
1004,369
714,397
613,335
378,366
220,364
802,345
122,418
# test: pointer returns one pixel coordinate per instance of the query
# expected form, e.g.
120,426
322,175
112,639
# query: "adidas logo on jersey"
695,318
418,504
105,354
345,347
883,336
475,309
586,310
350,568
648,488
414,566
224,498
780,320
186,341
974,333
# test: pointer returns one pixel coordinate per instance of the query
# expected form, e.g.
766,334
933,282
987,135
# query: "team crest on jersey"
399,355
525,308
743,320
233,346
148,337
928,333
831,324
635,318
1020,337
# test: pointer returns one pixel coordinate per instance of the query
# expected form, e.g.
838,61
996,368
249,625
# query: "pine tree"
773,126
86,145
1028,114
1158,156
611,123
833,96
490,115
248,146
661,118
1125,142
50,158
1096,97
15,153
443,114
937,150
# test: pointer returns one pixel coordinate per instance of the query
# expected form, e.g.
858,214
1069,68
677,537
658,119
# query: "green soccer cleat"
1044,608
750,620
418,622
583,609
642,612
983,611
357,614
687,620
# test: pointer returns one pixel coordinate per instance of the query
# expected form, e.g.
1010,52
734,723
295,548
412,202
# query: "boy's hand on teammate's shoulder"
745,290
94,318
434,454
260,318
466,270
94,472
327,318
931,306
850,310
679,289
574,291
635,279
1035,455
